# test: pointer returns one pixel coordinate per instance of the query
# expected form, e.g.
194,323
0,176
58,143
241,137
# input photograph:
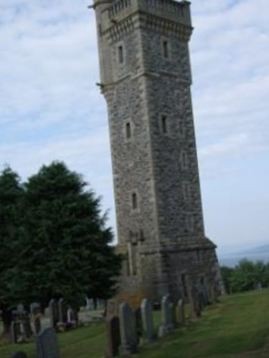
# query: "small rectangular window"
164,124
128,130
134,201
184,160
120,54
165,49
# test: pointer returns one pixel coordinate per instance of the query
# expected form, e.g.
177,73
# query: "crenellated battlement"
170,9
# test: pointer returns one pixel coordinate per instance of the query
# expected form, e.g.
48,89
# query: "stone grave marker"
47,344
138,324
15,330
113,337
62,309
167,317
53,313
72,317
35,308
181,312
147,320
127,330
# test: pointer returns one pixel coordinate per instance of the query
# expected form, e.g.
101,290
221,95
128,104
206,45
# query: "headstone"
112,308
20,308
89,304
100,304
62,309
147,320
72,317
35,308
127,330
15,331
180,312
138,324
167,317
53,313
26,327
47,344
113,337
19,355
36,324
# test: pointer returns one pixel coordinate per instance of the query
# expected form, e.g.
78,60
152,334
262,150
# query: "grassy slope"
237,327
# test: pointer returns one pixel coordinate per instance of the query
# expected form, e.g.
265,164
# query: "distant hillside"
259,253
258,250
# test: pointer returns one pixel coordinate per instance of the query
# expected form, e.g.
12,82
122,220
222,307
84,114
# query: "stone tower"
146,80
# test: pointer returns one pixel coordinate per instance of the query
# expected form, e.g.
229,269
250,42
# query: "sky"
51,108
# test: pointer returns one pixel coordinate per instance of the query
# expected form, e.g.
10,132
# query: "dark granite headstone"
113,337
53,313
62,309
127,330
47,344
15,331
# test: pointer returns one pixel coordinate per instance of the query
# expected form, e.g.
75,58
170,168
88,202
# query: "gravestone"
35,308
138,324
53,313
15,330
180,312
19,355
20,308
113,337
47,344
167,317
147,320
36,324
127,330
62,309
112,308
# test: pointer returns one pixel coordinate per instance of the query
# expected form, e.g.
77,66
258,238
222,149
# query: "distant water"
233,260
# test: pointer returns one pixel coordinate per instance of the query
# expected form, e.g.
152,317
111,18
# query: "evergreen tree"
66,248
11,198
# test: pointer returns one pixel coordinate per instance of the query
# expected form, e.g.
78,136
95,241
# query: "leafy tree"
54,240
11,195
247,275
65,249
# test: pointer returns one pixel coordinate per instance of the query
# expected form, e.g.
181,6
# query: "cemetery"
237,325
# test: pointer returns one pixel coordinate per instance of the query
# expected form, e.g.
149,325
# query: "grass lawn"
236,327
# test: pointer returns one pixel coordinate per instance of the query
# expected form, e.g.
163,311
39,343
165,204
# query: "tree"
11,195
248,275
65,250
54,240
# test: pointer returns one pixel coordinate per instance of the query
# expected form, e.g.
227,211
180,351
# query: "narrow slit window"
184,160
120,54
165,49
164,124
128,130
134,201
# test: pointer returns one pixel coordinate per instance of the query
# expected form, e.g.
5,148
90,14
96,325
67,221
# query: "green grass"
236,327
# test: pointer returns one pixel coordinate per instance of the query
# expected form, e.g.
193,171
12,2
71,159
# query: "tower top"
176,11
